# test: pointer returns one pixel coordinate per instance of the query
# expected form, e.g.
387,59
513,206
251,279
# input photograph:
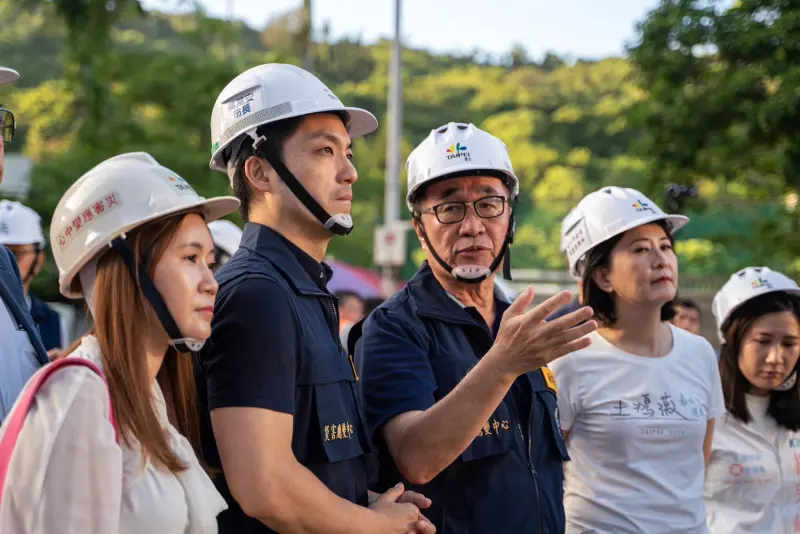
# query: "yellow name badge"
550,379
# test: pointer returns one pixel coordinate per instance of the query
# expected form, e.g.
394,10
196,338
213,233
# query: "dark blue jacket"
415,349
275,345
12,295
47,321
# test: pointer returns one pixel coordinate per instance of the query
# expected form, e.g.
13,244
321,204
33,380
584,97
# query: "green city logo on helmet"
214,147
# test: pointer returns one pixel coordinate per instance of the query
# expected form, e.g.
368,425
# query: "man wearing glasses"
457,394
21,349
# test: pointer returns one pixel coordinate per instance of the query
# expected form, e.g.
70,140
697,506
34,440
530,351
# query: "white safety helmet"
226,234
747,284
273,92
20,225
115,197
270,93
460,149
8,75
454,148
607,213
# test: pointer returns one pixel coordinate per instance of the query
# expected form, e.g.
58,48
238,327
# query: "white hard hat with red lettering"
607,213
115,197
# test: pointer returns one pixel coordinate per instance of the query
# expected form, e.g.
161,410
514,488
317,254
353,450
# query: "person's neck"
312,242
639,330
155,350
479,296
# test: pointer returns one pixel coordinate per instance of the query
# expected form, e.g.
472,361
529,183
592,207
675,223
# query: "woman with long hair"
129,236
753,479
637,406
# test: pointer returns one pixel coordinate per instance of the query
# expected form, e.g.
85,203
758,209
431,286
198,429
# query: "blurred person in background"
227,237
21,232
456,388
21,349
637,407
129,236
687,315
285,421
351,309
753,479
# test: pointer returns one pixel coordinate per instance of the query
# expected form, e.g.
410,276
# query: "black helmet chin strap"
474,274
148,288
339,224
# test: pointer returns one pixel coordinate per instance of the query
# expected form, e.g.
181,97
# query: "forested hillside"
149,84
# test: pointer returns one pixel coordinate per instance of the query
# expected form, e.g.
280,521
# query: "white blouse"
69,475
753,479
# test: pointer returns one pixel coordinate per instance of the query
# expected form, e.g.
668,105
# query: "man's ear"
417,223
260,174
40,259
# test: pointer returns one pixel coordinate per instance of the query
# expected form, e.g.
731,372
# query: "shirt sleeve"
716,400
252,357
397,376
66,470
568,391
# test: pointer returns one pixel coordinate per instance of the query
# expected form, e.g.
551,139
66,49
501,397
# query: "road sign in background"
389,249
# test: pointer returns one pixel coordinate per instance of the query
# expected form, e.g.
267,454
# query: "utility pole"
308,36
395,111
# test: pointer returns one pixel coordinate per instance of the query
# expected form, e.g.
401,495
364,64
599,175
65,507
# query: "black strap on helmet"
339,224
148,288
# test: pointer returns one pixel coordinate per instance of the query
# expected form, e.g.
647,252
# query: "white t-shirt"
68,474
17,360
753,480
636,428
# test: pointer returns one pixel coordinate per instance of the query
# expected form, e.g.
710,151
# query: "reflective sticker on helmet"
576,237
180,185
242,106
90,212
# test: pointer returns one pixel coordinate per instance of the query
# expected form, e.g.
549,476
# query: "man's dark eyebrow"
450,191
329,137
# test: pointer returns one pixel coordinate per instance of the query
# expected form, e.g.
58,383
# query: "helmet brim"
360,123
675,222
8,75
213,209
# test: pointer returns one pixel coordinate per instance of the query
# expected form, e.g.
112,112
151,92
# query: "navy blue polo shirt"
47,321
275,345
415,349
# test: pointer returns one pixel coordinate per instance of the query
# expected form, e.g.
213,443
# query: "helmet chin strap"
338,224
148,288
787,384
475,274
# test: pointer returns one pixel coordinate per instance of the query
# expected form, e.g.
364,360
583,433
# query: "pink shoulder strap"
13,425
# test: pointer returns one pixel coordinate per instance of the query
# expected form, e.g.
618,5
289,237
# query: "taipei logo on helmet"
179,183
760,283
458,151
640,206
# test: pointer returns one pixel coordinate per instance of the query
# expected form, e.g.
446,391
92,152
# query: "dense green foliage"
97,82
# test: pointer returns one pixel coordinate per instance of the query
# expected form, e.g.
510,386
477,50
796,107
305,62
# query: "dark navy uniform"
415,349
47,321
275,345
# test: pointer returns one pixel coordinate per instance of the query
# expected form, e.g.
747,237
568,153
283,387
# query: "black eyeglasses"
454,212
7,125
